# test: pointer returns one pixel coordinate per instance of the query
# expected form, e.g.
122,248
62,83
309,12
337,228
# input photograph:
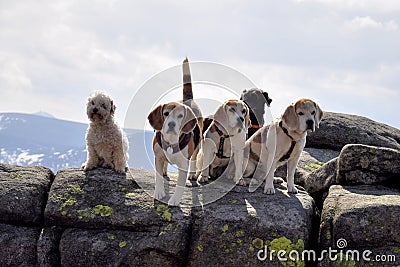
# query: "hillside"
31,139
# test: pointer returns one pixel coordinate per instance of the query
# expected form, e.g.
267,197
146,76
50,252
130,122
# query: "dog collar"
293,144
256,126
173,148
222,137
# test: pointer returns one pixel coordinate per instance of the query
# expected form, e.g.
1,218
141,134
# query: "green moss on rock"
103,211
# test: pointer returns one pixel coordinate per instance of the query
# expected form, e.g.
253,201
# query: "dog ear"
220,115
290,118
241,96
247,118
318,115
189,122
113,107
267,99
156,118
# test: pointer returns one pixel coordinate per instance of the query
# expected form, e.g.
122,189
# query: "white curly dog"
107,145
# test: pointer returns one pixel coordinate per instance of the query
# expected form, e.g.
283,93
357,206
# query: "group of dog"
234,142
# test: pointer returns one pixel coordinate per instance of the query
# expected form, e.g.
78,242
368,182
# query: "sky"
344,54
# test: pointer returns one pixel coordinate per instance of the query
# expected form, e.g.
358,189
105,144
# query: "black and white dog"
255,99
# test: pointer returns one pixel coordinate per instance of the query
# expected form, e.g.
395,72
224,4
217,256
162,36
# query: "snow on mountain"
44,114
29,139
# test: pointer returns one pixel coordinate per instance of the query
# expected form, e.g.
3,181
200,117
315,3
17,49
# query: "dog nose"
171,124
95,110
310,124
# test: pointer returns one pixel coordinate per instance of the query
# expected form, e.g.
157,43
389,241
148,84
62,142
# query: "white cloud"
369,23
347,91
54,53
378,6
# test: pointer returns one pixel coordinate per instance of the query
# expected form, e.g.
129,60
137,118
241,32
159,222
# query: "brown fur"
232,122
107,144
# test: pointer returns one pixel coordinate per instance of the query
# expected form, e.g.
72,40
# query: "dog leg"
269,182
180,188
206,158
165,170
92,161
159,191
291,168
119,160
192,166
238,159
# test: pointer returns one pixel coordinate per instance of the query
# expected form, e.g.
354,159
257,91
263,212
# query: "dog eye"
92,102
232,110
244,111
301,113
312,113
103,106
180,116
166,113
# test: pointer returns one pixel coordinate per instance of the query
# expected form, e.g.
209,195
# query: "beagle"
178,131
224,140
281,142
174,142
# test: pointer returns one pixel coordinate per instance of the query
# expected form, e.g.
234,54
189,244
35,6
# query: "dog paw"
174,201
202,179
269,190
241,182
159,194
86,167
292,189
192,176
188,183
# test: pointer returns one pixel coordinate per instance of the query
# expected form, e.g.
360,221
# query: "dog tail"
187,81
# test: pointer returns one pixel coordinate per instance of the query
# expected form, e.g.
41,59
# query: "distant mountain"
44,114
30,139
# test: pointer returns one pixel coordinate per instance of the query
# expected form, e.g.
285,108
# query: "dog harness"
222,137
293,144
182,143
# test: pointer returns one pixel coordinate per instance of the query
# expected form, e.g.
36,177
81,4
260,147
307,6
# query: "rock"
366,217
102,199
123,248
322,178
360,164
23,193
231,231
310,160
48,253
120,223
18,245
337,129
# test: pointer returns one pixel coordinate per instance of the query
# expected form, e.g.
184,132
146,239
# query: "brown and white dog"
178,133
223,141
281,142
